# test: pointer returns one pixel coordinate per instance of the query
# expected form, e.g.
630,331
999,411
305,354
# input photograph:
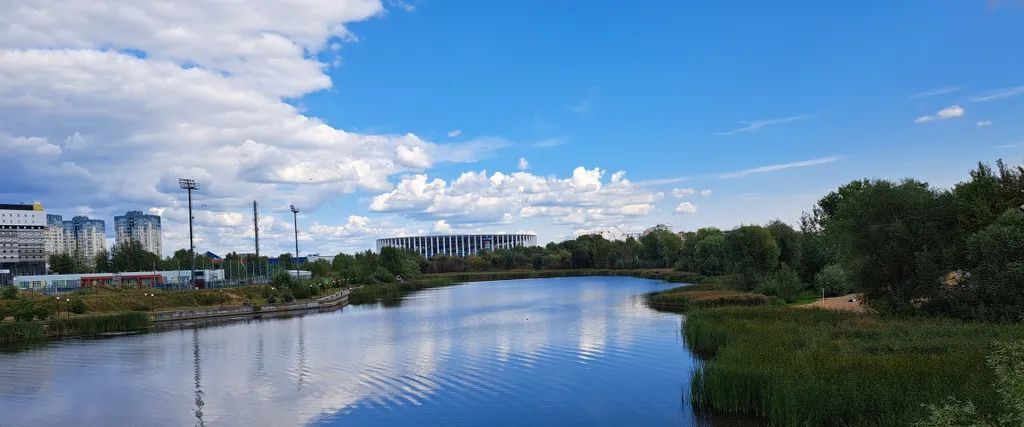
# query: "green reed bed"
19,332
702,296
95,325
369,294
814,367
26,332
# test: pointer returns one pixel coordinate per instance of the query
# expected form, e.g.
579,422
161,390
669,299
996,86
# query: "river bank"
15,333
799,365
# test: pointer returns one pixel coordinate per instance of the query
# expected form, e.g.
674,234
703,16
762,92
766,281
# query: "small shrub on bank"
9,292
76,306
834,280
25,311
783,283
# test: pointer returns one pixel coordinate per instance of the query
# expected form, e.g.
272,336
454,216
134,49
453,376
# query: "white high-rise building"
143,228
85,237
54,241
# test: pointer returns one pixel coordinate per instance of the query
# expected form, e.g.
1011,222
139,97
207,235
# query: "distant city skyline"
380,118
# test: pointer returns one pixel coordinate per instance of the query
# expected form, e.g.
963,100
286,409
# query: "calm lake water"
568,351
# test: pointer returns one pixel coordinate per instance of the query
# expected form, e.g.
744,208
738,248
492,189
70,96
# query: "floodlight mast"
189,185
295,219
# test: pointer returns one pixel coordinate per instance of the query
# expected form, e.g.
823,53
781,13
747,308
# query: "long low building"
457,244
70,282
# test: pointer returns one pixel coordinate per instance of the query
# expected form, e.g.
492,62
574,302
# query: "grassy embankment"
125,309
389,292
797,366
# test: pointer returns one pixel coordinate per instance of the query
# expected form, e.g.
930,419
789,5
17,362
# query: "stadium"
457,244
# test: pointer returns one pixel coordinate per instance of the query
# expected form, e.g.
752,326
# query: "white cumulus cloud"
682,192
584,198
686,208
950,112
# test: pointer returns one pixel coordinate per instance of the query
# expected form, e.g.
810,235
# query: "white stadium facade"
457,244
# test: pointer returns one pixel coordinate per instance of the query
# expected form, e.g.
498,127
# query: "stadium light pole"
295,219
189,185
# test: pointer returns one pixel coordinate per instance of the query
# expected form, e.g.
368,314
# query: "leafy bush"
952,414
25,311
9,292
783,283
76,306
43,312
1007,361
282,280
834,280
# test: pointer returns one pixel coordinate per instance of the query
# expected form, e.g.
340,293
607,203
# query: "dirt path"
839,303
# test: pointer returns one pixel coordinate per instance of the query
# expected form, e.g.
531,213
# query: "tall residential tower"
140,227
85,238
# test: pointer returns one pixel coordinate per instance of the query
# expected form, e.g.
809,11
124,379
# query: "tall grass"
20,332
813,367
95,325
25,332
702,296
388,292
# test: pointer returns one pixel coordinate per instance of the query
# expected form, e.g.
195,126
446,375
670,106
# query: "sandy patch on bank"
839,304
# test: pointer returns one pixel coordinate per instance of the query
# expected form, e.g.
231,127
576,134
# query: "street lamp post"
295,219
189,185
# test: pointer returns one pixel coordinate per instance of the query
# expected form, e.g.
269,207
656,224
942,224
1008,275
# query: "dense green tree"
789,242
751,254
895,239
62,263
660,248
988,193
994,288
285,261
834,280
319,268
131,256
400,263
101,262
709,255
342,262
783,283
688,250
557,259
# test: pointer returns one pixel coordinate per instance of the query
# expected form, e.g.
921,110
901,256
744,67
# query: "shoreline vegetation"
795,365
96,311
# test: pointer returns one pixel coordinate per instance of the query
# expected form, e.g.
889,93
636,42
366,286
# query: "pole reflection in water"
301,353
582,351
197,378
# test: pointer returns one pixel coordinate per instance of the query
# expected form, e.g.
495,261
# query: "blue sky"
768,106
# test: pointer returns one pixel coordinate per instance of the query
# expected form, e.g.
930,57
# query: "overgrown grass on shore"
702,296
22,332
814,367
94,325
